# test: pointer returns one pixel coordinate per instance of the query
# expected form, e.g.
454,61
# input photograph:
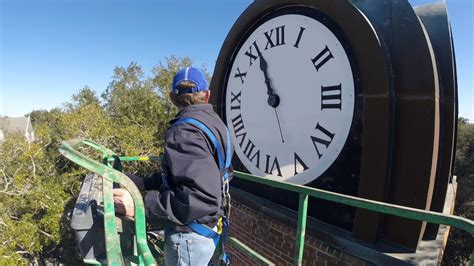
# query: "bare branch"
14,217
46,234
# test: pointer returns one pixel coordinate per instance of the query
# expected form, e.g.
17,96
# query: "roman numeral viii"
322,58
325,139
331,97
275,39
249,148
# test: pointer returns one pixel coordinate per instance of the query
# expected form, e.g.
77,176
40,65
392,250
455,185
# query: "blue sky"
50,49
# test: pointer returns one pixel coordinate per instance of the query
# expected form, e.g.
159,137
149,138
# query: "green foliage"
38,187
32,200
461,244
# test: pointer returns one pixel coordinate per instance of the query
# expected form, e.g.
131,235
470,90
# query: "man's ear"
171,94
208,96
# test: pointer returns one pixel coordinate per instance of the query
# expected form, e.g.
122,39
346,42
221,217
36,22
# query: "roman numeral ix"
235,101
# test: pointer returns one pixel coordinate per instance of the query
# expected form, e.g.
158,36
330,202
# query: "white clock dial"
307,66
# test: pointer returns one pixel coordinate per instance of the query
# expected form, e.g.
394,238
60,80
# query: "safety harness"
219,232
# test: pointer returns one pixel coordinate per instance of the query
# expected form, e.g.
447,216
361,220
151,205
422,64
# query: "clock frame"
309,66
370,132
393,148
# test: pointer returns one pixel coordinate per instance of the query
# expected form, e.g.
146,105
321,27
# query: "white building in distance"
9,125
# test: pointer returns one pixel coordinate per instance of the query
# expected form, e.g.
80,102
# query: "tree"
39,187
32,201
460,243
86,96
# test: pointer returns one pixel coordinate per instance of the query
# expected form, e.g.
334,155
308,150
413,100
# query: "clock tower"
342,96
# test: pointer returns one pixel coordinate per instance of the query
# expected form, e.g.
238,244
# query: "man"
190,188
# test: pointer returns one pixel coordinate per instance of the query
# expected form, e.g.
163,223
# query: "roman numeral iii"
331,97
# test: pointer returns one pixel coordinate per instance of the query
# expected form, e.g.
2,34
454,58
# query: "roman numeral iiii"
325,140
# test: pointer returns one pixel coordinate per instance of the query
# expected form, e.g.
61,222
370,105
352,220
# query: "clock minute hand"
273,99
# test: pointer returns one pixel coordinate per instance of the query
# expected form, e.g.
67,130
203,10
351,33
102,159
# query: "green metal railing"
114,253
380,207
110,175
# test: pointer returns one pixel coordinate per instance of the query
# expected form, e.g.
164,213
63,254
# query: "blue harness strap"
224,165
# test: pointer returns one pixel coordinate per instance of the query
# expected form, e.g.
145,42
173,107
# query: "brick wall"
275,240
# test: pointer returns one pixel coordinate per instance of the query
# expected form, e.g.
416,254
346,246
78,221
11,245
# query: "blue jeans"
187,249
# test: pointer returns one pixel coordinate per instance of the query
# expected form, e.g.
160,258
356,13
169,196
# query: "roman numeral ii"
322,58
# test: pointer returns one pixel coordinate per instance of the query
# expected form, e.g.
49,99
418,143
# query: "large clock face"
289,99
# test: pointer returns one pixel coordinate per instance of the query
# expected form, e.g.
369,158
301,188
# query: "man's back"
191,170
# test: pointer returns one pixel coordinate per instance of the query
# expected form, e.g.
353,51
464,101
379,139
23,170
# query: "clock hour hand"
273,99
